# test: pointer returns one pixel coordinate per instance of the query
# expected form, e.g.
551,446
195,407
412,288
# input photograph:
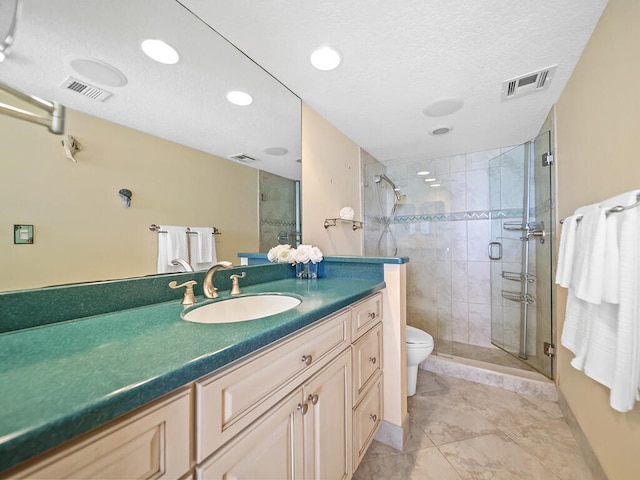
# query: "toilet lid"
417,336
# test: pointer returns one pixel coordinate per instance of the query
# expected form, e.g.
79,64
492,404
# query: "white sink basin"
240,309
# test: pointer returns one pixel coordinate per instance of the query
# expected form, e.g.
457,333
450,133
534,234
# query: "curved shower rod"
54,121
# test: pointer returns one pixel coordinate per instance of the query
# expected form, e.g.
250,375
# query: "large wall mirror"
167,132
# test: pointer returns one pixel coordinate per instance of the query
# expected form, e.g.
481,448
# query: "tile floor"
464,430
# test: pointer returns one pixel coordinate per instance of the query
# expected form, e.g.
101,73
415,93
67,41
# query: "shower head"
396,192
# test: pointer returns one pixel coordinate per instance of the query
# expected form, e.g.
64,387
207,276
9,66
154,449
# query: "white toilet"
419,347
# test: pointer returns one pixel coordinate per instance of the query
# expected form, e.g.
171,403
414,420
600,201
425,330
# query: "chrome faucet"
207,284
181,261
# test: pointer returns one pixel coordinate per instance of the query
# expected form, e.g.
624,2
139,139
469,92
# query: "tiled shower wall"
277,210
445,230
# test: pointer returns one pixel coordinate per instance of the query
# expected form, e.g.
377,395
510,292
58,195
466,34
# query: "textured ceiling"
185,103
399,56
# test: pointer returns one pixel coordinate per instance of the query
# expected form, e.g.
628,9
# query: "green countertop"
61,380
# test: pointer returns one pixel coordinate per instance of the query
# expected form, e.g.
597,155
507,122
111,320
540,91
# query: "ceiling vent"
241,157
86,89
529,83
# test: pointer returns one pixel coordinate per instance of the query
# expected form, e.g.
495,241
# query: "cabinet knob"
371,315
313,399
306,359
373,417
372,360
303,408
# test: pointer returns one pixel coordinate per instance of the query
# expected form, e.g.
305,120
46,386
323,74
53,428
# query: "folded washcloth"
203,248
172,244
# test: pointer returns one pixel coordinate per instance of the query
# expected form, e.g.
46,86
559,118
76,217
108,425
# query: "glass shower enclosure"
520,250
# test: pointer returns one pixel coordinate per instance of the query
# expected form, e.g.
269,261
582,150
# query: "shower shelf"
332,222
519,277
518,297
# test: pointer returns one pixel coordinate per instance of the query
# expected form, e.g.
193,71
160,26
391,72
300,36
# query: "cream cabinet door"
327,422
153,443
270,449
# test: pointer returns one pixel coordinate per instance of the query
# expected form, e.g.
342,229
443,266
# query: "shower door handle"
492,248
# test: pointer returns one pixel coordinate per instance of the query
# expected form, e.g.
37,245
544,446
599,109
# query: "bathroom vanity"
142,393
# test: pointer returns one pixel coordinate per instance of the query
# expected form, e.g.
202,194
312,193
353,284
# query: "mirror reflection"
165,133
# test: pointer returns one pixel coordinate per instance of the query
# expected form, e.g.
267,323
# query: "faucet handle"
189,298
235,286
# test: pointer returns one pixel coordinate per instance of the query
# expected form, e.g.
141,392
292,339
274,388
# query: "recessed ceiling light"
276,151
424,172
240,98
160,51
96,70
326,58
434,185
429,179
445,106
440,130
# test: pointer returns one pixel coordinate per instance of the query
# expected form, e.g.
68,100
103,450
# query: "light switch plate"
23,234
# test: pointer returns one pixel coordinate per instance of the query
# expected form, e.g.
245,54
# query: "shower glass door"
520,252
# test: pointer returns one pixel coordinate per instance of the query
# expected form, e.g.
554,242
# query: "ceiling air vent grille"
241,157
529,83
86,89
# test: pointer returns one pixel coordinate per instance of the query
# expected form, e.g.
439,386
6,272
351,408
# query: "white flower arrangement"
280,254
303,254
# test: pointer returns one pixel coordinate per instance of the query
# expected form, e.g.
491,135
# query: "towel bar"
616,209
156,228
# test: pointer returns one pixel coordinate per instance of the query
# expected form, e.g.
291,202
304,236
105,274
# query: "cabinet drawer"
365,315
153,443
366,420
367,360
231,400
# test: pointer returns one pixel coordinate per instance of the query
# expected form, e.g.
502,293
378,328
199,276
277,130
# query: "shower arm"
54,121
390,182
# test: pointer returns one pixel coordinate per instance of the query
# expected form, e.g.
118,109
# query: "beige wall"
82,230
330,181
598,126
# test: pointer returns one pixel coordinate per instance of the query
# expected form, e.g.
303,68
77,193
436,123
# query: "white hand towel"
172,244
567,250
612,254
203,248
588,276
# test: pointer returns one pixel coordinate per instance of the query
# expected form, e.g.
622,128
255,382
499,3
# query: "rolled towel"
347,213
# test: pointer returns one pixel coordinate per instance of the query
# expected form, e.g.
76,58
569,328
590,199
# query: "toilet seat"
418,338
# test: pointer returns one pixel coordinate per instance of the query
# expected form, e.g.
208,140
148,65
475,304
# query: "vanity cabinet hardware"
372,360
313,398
307,359
373,417
366,314
303,408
